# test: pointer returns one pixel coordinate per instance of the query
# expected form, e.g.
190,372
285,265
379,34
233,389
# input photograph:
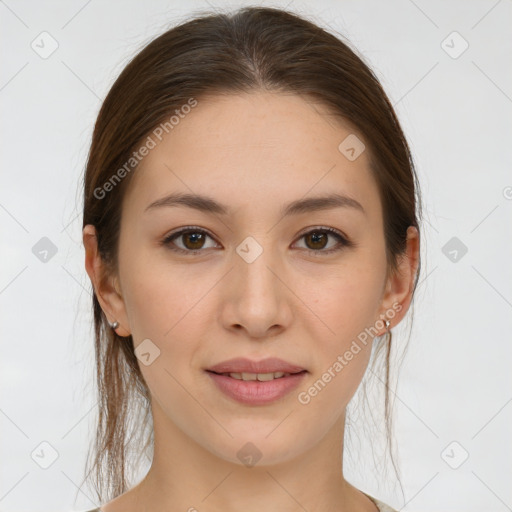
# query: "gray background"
454,395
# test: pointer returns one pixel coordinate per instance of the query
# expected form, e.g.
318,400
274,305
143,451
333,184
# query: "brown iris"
316,237
196,240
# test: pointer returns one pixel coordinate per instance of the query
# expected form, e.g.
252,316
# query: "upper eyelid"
188,229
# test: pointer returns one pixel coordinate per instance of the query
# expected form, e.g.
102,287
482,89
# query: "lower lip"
255,392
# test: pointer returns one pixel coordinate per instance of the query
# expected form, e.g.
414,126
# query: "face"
206,285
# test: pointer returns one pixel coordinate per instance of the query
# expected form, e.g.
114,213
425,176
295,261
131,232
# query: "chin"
258,449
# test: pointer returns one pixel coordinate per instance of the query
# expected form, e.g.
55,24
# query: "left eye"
318,239
193,240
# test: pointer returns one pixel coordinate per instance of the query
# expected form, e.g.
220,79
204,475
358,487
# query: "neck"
184,475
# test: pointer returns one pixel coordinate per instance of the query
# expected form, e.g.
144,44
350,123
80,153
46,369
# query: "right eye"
192,239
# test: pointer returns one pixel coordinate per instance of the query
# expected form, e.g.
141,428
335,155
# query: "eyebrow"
209,205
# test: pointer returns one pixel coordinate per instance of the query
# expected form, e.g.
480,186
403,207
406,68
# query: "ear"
399,287
105,285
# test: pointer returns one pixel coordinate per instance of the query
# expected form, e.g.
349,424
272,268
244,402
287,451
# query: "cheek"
345,300
164,305
160,298
173,308
344,308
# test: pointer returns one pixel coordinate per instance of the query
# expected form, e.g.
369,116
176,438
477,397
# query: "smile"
256,388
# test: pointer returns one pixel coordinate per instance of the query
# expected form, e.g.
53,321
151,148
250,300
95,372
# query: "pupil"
318,237
196,237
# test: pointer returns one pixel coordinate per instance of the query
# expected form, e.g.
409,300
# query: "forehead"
251,149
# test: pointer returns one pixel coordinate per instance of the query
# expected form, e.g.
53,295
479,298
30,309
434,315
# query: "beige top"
381,506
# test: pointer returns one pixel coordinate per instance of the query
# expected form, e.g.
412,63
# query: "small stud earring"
114,325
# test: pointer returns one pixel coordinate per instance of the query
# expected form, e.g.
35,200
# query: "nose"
257,297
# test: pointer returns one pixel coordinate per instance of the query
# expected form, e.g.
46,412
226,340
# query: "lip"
254,392
244,365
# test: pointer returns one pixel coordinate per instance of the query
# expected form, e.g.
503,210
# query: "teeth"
257,376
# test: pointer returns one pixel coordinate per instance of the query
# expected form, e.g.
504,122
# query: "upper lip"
243,365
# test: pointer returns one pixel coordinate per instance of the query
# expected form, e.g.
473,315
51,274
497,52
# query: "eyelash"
343,241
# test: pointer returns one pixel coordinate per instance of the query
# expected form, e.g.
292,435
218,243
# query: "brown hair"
223,53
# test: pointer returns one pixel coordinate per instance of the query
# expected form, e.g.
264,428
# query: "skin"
302,306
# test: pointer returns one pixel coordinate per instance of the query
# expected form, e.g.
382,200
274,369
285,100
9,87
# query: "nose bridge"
252,268
256,295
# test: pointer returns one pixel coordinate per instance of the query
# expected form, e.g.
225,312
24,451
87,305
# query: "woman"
251,233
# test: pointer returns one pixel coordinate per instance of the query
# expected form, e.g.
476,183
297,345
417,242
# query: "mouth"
256,388
261,377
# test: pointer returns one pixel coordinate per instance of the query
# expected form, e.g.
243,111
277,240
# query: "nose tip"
257,298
